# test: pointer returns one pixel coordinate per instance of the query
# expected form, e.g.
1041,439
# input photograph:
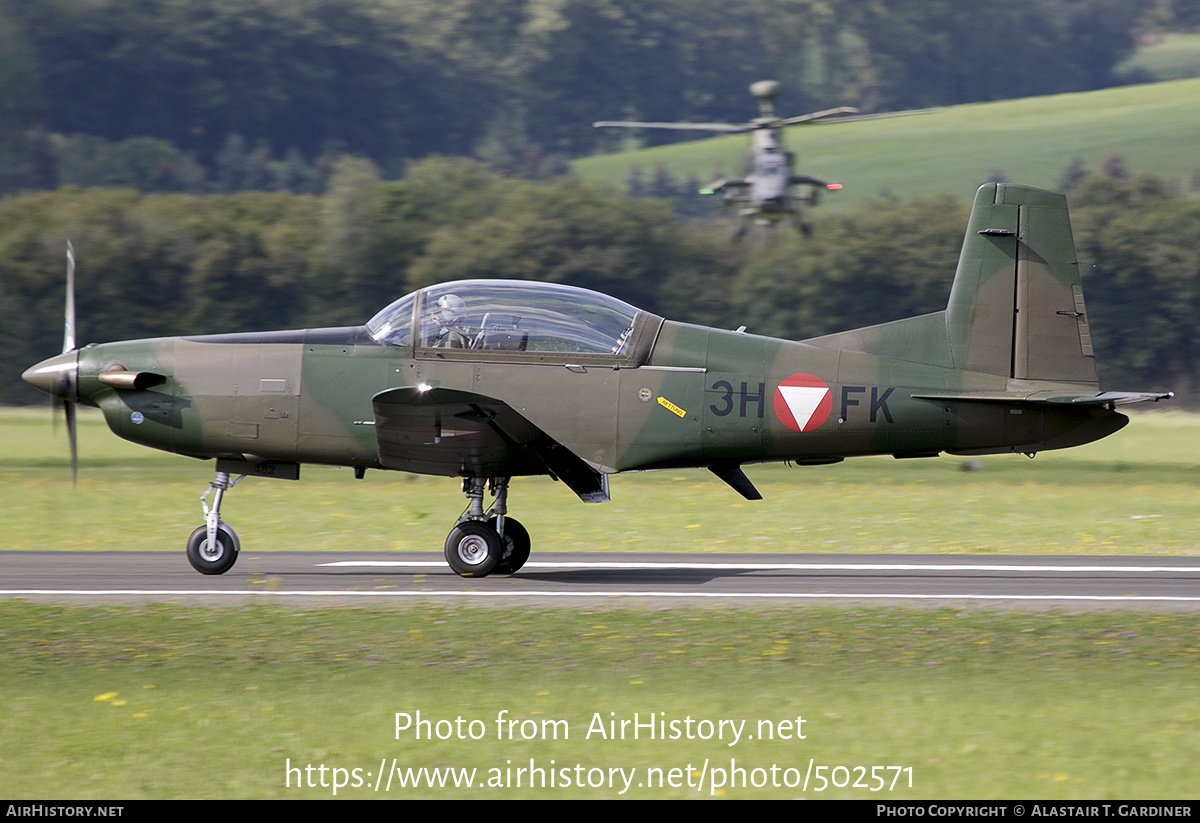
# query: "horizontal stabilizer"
1108,398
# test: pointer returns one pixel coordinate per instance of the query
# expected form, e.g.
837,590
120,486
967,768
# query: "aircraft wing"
433,430
1108,398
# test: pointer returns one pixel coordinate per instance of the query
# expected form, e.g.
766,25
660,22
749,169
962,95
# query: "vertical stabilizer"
1016,307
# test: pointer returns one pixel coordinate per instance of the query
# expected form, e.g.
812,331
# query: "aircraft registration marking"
671,407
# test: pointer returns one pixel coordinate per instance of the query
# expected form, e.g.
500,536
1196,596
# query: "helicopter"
766,195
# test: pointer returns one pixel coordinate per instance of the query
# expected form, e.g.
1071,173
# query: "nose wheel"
482,543
213,548
217,556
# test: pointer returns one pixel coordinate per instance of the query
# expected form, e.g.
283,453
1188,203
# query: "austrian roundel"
802,402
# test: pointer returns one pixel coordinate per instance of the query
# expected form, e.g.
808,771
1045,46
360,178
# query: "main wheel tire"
473,549
516,545
220,558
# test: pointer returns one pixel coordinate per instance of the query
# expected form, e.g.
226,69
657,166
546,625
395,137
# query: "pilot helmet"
450,308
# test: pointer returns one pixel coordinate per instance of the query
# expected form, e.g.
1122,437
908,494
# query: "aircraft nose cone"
54,376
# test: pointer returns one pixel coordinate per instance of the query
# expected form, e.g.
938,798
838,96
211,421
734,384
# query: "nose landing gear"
213,548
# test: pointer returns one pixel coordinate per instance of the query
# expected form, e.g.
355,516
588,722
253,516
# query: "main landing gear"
485,542
481,543
213,548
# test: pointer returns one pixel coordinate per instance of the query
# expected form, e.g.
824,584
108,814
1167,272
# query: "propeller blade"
60,385
69,345
69,314
69,407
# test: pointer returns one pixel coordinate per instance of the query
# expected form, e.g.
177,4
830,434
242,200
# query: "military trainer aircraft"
489,379
766,193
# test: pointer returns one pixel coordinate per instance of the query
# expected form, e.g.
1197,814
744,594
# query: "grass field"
953,150
173,701
169,701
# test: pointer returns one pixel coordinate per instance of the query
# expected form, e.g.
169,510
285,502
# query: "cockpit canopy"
511,316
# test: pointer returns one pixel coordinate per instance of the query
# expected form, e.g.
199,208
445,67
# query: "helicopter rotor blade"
880,116
813,117
727,128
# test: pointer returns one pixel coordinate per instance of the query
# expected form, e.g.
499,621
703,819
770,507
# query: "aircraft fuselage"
703,395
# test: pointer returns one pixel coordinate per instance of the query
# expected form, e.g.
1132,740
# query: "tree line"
224,95
170,264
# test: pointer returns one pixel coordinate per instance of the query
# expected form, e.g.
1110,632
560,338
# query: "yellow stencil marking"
671,407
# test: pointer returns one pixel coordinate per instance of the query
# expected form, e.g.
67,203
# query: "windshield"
393,325
505,315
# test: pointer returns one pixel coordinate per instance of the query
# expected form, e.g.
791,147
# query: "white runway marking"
887,567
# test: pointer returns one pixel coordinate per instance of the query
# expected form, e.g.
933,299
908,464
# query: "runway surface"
311,578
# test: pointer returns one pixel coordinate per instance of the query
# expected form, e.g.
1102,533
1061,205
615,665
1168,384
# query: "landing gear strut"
213,548
485,542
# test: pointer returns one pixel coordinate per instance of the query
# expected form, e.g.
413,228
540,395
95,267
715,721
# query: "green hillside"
1175,57
1154,128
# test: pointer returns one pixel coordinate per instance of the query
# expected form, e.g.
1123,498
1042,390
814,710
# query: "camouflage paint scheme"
1007,367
